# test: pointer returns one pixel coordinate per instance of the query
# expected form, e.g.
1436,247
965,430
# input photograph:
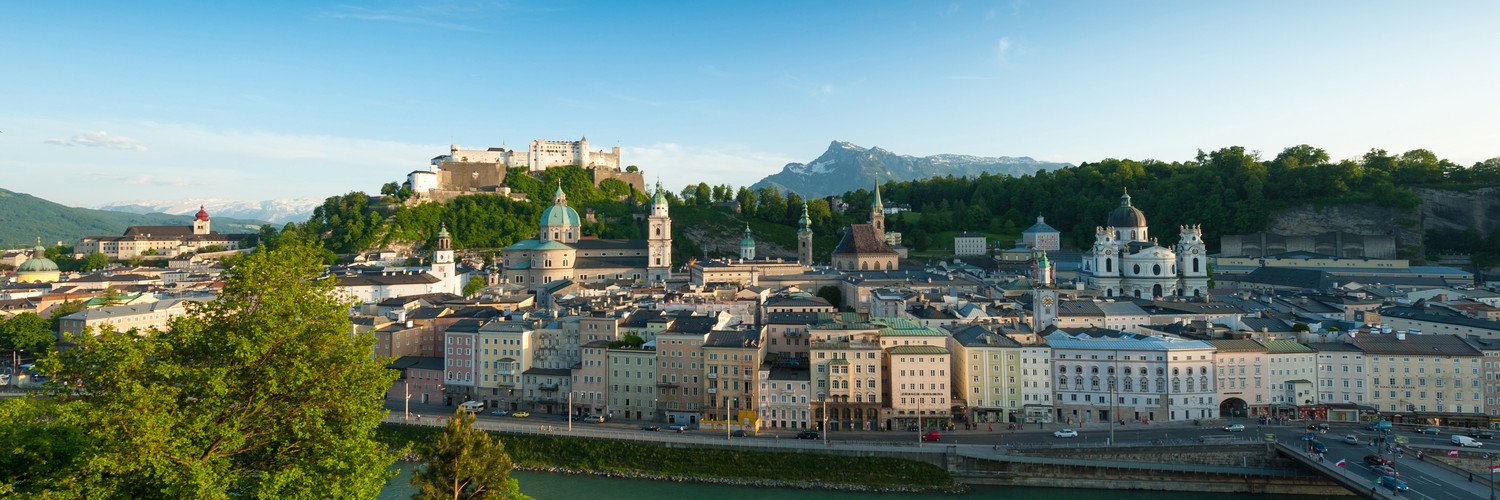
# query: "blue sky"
115,101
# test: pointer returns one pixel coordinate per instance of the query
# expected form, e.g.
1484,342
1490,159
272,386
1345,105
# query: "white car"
1066,433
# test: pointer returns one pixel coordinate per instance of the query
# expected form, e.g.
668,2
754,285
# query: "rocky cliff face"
845,167
1441,210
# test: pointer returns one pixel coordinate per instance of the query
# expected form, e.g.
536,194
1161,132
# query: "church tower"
877,214
659,238
442,259
804,238
1043,293
1192,261
200,221
747,245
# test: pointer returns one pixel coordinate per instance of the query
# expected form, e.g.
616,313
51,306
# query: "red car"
931,436
1377,460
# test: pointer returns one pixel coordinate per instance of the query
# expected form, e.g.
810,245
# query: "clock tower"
1043,294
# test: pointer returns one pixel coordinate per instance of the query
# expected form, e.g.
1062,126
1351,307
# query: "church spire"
878,204
1125,198
804,223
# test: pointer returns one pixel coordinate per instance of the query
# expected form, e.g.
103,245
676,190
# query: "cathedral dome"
38,264
1126,215
560,215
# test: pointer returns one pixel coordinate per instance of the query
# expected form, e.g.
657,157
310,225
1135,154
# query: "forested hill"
1228,191
24,218
357,221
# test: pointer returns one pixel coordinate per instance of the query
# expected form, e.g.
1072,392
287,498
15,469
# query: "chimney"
1400,335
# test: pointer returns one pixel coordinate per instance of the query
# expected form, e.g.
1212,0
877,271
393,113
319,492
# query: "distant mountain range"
845,167
278,211
24,217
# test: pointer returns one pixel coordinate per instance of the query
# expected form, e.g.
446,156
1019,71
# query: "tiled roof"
917,349
1416,345
1237,345
1286,347
862,239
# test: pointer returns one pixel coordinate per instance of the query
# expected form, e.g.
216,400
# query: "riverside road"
1426,479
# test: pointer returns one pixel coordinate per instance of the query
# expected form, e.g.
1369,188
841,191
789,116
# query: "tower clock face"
1047,301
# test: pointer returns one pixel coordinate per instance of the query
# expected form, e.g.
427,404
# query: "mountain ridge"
846,166
275,211
24,217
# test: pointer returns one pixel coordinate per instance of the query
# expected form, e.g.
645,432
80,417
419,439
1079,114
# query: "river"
548,486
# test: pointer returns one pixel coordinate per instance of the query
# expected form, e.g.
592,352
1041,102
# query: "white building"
1105,375
1292,368
1041,236
969,243
1125,261
784,393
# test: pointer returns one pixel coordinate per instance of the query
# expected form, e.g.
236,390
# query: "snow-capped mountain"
846,167
277,211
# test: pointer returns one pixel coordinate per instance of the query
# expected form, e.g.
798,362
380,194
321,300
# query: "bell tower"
659,238
804,238
1043,294
877,214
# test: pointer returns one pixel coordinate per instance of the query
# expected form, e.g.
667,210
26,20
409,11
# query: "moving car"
1351,439
1465,441
472,406
598,419
1319,447
521,414
677,427
807,435
499,412
1383,425
1429,430
1394,484
1482,435
652,428
932,436
1235,428
1066,433
1385,470
1309,436
738,434
1377,460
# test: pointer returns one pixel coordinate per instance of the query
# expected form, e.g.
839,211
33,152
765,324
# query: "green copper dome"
38,264
560,215
747,241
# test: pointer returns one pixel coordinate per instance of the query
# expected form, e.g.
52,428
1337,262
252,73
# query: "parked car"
738,434
1235,428
1385,470
521,414
913,428
1066,433
1429,430
472,406
598,419
651,428
1351,439
932,436
1394,484
807,435
1465,441
499,412
1377,460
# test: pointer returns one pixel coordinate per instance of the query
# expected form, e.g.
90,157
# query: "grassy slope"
24,217
628,457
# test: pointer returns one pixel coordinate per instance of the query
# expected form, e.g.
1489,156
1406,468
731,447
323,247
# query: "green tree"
833,295
94,262
26,332
465,463
474,285
702,194
260,393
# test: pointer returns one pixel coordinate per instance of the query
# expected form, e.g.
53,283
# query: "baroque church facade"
1126,262
561,252
863,247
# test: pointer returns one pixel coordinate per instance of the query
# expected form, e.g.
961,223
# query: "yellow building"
38,268
986,370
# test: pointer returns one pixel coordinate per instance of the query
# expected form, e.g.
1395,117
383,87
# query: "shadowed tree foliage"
261,393
465,463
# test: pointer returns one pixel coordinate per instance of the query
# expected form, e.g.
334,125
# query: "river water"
548,486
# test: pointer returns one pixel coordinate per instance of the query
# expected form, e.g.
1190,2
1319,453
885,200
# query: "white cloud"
1002,48
677,165
425,16
99,139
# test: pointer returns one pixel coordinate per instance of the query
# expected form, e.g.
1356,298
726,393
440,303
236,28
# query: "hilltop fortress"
469,171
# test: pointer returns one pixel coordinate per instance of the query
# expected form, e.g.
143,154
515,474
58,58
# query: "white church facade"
1126,262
